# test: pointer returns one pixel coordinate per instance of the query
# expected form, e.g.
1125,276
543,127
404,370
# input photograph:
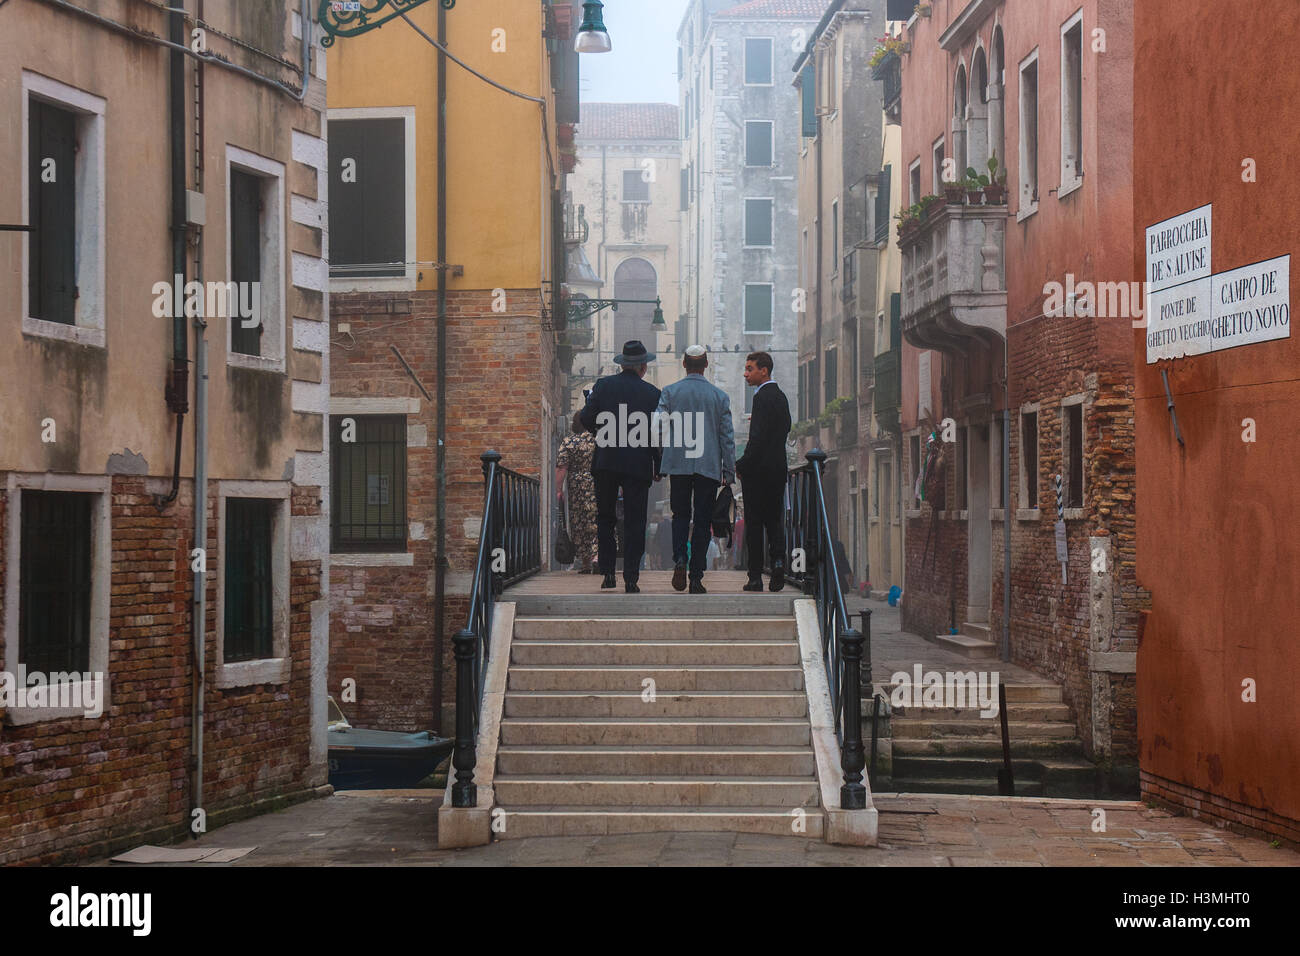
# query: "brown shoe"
679,577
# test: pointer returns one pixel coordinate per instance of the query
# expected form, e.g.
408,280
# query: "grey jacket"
696,414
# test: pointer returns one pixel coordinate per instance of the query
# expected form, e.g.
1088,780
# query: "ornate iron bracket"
351,18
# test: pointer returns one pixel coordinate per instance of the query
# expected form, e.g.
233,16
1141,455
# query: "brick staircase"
724,745
955,750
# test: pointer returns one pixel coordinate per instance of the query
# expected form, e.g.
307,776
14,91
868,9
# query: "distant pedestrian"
762,470
699,454
573,464
624,461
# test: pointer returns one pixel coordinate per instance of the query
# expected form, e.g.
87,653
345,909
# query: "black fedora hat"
634,353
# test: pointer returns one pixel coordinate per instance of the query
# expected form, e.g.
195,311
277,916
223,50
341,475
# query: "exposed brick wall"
1203,805
75,787
500,366
1050,626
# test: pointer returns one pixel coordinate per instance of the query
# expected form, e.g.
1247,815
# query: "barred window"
368,464
54,581
249,633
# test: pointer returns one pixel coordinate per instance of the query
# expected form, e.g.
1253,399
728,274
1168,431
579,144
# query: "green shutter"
895,319
808,87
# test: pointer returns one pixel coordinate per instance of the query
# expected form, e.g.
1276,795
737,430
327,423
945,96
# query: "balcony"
847,431
954,278
576,230
888,398
890,72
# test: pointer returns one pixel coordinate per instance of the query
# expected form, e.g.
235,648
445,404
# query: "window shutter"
895,319
808,87
52,212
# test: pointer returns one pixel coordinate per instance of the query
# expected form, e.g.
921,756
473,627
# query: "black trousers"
764,518
704,491
636,499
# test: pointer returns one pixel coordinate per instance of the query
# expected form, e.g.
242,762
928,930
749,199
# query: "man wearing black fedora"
626,458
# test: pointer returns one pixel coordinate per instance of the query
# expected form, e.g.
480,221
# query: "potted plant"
974,185
925,203
887,46
995,190
954,192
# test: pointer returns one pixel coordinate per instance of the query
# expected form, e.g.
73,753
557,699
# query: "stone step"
1028,788
1034,712
984,767
597,821
516,792
666,679
615,603
967,746
631,704
980,727
658,761
651,653
971,647
1019,693
978,630
655,629
621,732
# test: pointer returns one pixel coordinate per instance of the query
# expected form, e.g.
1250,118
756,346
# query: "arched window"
959,120
977,114
635,279
997,101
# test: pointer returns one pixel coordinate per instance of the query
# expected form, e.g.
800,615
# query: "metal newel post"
463,792
812,532
853,795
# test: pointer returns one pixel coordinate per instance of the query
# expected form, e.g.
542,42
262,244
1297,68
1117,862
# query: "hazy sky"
642,67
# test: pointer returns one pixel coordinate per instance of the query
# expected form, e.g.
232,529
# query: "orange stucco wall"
1217,518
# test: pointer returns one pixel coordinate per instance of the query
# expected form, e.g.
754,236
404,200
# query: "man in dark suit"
762,473
620,412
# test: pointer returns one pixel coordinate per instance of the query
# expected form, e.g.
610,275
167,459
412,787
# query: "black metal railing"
808,528
509,550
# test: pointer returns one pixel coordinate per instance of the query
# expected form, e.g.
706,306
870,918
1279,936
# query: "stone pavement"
398,828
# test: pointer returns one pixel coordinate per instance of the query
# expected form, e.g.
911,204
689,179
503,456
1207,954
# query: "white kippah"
695,351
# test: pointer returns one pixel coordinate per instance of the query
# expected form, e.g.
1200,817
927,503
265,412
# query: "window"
368,196
803,260
995,462
255,258
368,464
914,182
253,589
52,212
1071,102
1072,444
936,153
758,307
963,466
758,61
832,371
803,391
635,186
686,116
54,581
64,185
835,235
808,100
758,143
685,187
758,222
1029,459
882,205
249,627
56,595
1028,135
914,449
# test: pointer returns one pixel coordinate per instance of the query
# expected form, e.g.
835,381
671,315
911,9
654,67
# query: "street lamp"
592,35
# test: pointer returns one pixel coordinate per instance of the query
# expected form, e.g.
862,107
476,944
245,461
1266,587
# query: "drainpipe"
1006,491
176,391
440,560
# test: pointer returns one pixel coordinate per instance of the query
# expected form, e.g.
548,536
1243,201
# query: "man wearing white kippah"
699,453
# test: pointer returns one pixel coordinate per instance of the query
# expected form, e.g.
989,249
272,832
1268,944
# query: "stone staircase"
955,750
975,640
724,742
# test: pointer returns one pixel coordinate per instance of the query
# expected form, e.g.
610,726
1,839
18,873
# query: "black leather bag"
724,514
